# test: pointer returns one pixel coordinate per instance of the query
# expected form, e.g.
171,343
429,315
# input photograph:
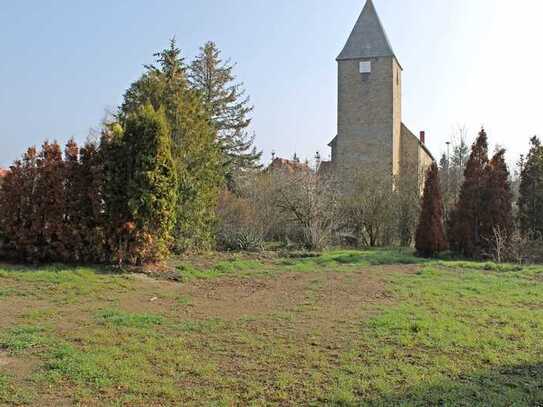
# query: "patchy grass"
22,338
10,394
453,337
118,318
341,328
342,260
69,284
233,267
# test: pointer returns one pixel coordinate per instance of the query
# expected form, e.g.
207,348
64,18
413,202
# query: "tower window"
365,67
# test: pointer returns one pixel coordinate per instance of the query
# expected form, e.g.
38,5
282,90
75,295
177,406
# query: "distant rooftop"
368,38
288,166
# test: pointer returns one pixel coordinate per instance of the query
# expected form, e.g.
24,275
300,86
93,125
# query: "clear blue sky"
466,62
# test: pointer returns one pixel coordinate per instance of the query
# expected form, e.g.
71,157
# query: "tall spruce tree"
196,154
530,202
229,108
465,220
430,236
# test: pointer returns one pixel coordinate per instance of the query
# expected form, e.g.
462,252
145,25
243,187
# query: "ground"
344,328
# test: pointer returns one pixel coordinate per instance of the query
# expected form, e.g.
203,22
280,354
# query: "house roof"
3,172
368,38
289,166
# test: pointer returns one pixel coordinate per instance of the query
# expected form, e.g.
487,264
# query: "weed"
22,338
124,319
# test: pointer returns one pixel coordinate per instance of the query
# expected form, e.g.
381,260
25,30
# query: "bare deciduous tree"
311,203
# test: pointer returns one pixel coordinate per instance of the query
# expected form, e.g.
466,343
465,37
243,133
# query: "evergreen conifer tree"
465,220
152,185
140,186
484,207
430,236
196,154
48,225
16,208
497,216
530,203
228,107
74,233
84,232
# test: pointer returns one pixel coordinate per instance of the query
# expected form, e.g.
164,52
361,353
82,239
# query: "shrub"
144,175
238,227
32,203
50,206
84,234
311,204
369,210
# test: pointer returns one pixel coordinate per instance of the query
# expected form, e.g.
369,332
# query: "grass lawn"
345,328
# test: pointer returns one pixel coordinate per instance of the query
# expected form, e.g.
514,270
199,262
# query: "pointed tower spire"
368,38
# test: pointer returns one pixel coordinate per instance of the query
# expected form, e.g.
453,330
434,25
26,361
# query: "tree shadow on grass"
503,386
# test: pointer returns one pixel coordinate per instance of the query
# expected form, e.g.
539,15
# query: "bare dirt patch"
333,295
20,368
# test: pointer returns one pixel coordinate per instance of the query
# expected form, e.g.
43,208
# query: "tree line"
175,170
150,184
483,220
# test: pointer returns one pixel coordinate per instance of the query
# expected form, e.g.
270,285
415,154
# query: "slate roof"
368,38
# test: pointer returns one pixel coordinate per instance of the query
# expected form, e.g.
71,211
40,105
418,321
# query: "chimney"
423,137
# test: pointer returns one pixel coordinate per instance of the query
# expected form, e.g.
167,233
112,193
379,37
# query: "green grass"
341,260
233,267
461,337
10,394
72,284
22,338
446,332
118,318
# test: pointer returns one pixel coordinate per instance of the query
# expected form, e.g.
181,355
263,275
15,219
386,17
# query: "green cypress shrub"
146,182
196,154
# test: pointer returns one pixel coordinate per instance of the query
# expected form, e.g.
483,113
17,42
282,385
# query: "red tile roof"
289,166
3,172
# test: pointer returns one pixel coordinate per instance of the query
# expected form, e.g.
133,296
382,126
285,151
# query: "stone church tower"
371,134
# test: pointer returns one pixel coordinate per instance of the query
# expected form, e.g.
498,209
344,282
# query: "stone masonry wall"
366,110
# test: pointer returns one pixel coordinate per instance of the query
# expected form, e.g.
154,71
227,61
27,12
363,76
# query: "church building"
371,134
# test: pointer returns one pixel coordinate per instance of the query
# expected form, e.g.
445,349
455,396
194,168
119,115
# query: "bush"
309,204
238,227
50,206
375,214
514,248
144,176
